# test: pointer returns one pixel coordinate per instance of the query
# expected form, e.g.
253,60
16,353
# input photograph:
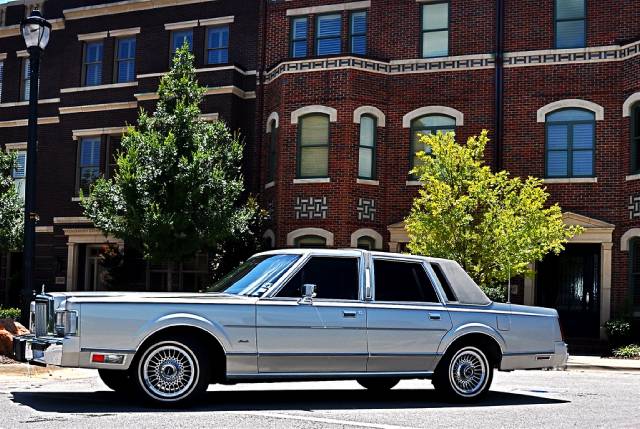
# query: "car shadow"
266,400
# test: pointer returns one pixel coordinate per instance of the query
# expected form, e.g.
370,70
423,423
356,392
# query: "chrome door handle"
348,313
434,316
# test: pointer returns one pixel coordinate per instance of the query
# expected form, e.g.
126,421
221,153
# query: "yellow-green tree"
493,224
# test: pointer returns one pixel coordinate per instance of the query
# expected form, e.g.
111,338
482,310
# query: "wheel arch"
475,334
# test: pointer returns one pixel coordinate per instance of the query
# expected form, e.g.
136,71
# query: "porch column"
72,260
530,286
605,287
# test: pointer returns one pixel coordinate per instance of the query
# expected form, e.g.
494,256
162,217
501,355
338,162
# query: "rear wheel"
464,374
119,381
172,372
378,384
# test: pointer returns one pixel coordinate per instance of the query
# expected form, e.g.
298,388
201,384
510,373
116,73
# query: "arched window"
635,138
366,243
310,241
570,143
634,272
429,124
313,146
367,147
273,142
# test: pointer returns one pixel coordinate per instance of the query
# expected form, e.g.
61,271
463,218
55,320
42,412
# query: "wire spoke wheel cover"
468,372
169,371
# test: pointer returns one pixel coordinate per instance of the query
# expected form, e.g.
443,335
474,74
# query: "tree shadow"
266,400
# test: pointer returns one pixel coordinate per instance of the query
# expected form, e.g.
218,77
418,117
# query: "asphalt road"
518,399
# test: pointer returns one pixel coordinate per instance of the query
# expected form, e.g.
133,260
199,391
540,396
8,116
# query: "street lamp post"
35,31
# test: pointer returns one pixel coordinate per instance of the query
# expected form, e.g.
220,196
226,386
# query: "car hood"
60,298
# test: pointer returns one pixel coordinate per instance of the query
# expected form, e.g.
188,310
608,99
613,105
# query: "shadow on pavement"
256,400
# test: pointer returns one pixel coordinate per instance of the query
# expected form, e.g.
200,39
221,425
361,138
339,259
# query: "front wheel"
464,375
172,372
378,384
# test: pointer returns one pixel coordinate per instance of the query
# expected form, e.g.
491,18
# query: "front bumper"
38,351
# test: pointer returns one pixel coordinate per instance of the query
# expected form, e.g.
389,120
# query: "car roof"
348,252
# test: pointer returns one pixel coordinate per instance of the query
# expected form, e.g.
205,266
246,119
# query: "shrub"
496,293
9,313
618,330
632,351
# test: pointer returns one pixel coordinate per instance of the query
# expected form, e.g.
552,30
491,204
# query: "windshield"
255,276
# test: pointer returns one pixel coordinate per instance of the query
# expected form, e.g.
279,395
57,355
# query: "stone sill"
97,87
368,182
632,177
571,180
318,180
270,185
414,183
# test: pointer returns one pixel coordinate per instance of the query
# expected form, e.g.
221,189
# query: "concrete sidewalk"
578,363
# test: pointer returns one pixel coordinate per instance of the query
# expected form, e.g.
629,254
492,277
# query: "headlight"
66,323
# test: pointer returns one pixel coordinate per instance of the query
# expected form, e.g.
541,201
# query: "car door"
327,334
405,319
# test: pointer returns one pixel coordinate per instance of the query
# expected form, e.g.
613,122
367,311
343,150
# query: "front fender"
471,328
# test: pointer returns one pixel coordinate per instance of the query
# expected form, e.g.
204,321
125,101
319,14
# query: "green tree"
178,186
11,206
494,225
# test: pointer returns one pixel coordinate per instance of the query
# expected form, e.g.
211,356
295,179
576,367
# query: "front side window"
424,125
19,173
571,24
367,148
634,265
358,29
179,38
299,28
126,60
255,276
635,138
89,162
92,67
328,34
435,30
273,143
402,281
313,146
335,278
570,143
218,45
310,242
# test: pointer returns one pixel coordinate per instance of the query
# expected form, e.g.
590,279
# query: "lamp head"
35,30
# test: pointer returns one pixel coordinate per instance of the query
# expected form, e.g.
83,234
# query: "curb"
587,367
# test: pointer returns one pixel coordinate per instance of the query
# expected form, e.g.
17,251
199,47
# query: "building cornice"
98,87
26,103
338,7
90,132
124,7
24,122
219,90
98,107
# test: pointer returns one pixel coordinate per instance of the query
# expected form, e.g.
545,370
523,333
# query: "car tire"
464,374
378,384
172,372
118,381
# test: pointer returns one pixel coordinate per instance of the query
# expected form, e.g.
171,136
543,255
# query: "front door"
405,321
325,335
570,283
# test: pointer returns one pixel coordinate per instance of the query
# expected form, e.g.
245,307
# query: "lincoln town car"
298,315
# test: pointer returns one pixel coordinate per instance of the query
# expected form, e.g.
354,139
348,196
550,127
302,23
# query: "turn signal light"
103,358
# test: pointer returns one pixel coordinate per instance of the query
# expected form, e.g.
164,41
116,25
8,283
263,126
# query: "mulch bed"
6,361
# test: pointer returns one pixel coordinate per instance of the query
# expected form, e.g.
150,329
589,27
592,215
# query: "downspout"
499,87
264,7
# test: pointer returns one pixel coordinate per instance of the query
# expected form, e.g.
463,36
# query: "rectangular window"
444,283
435,30
634,264
571,24
635,139
126,60
299,29
335,278
367,148
273,141
19,173
358,30
89,162
313,146
329,34
179,38
113,148
402,282
218,45
92,64
25,80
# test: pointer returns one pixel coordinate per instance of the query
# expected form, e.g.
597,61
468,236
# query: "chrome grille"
41,319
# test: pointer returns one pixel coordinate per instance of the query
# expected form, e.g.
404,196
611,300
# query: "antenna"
509,284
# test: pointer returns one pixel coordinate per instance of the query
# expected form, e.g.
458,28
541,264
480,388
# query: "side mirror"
308,293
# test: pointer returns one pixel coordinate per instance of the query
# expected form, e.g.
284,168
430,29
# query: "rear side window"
446,287
335,278
402,281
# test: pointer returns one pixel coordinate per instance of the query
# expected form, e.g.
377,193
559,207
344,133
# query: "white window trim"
217,21
293,235
367,232
314,10
181,25
93,36
270,235
369,110
626,107
297,114
272,117
626,238
124,32
573,180
570,103
433,110
3,56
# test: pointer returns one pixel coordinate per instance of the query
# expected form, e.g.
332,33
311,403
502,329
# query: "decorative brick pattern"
311,208
634,207
366,209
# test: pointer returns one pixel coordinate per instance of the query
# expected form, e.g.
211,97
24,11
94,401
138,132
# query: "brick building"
343,88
